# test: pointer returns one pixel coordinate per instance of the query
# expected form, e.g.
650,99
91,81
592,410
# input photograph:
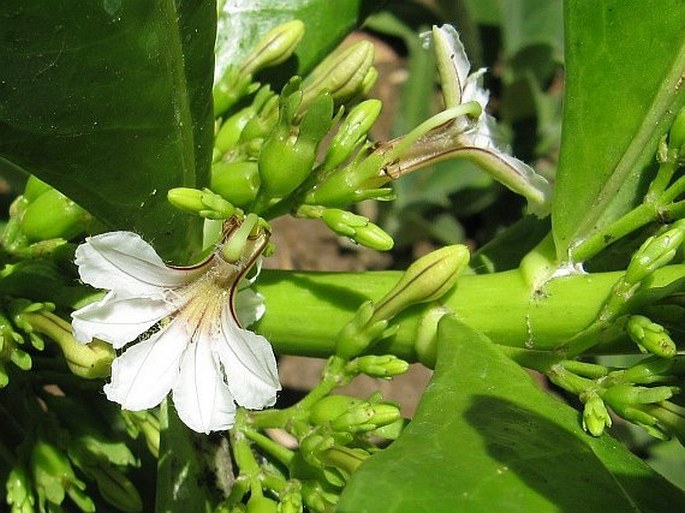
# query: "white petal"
118,320
473,91
144,374
249,364
201,396
126,264
249,307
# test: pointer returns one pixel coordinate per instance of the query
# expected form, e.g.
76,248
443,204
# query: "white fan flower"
182,329
452,134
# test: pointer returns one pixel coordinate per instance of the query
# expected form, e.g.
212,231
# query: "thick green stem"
305,310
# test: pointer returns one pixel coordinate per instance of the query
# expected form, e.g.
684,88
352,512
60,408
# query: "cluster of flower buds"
41,219
56,465
640,394
656,252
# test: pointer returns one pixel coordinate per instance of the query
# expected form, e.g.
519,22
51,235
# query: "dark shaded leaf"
110,102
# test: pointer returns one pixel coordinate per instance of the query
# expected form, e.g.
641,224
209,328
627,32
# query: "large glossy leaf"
110,102
486,438
243,22
624,66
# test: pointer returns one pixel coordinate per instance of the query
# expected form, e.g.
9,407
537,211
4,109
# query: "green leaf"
243,22
624,64
110,102
532,23
486,438
187,461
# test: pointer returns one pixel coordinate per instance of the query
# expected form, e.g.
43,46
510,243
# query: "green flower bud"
331,407
261,125
657,251
19,495
231,87
316,497
316,121
261,504
650,370
229,133
116,488
623,396
54,477
650,336
88,361
201,202
231,130
342,73
352,132
34,188
54,216
274,47
595,416
288,154
384,366
358,228
676,137
237,182
427,279
357,181
367,417
284,165
360,332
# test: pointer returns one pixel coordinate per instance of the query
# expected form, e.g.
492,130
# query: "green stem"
334,375
265,443
304,310
600,239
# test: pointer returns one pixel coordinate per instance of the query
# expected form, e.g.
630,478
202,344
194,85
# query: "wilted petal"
201,396
144,374
249,364
126,264
513,173
118,320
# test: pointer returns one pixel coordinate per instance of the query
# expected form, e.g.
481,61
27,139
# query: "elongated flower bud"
237,182
352,132
595,416
342,74
427,279
358,228
52,215
650,336
274,47
654,253
201,202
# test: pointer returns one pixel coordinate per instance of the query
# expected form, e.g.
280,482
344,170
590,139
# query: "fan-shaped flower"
181,329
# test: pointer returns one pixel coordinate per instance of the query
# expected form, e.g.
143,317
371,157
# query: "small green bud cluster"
43,219
25,319
56,464
295,149
638,394
657,251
